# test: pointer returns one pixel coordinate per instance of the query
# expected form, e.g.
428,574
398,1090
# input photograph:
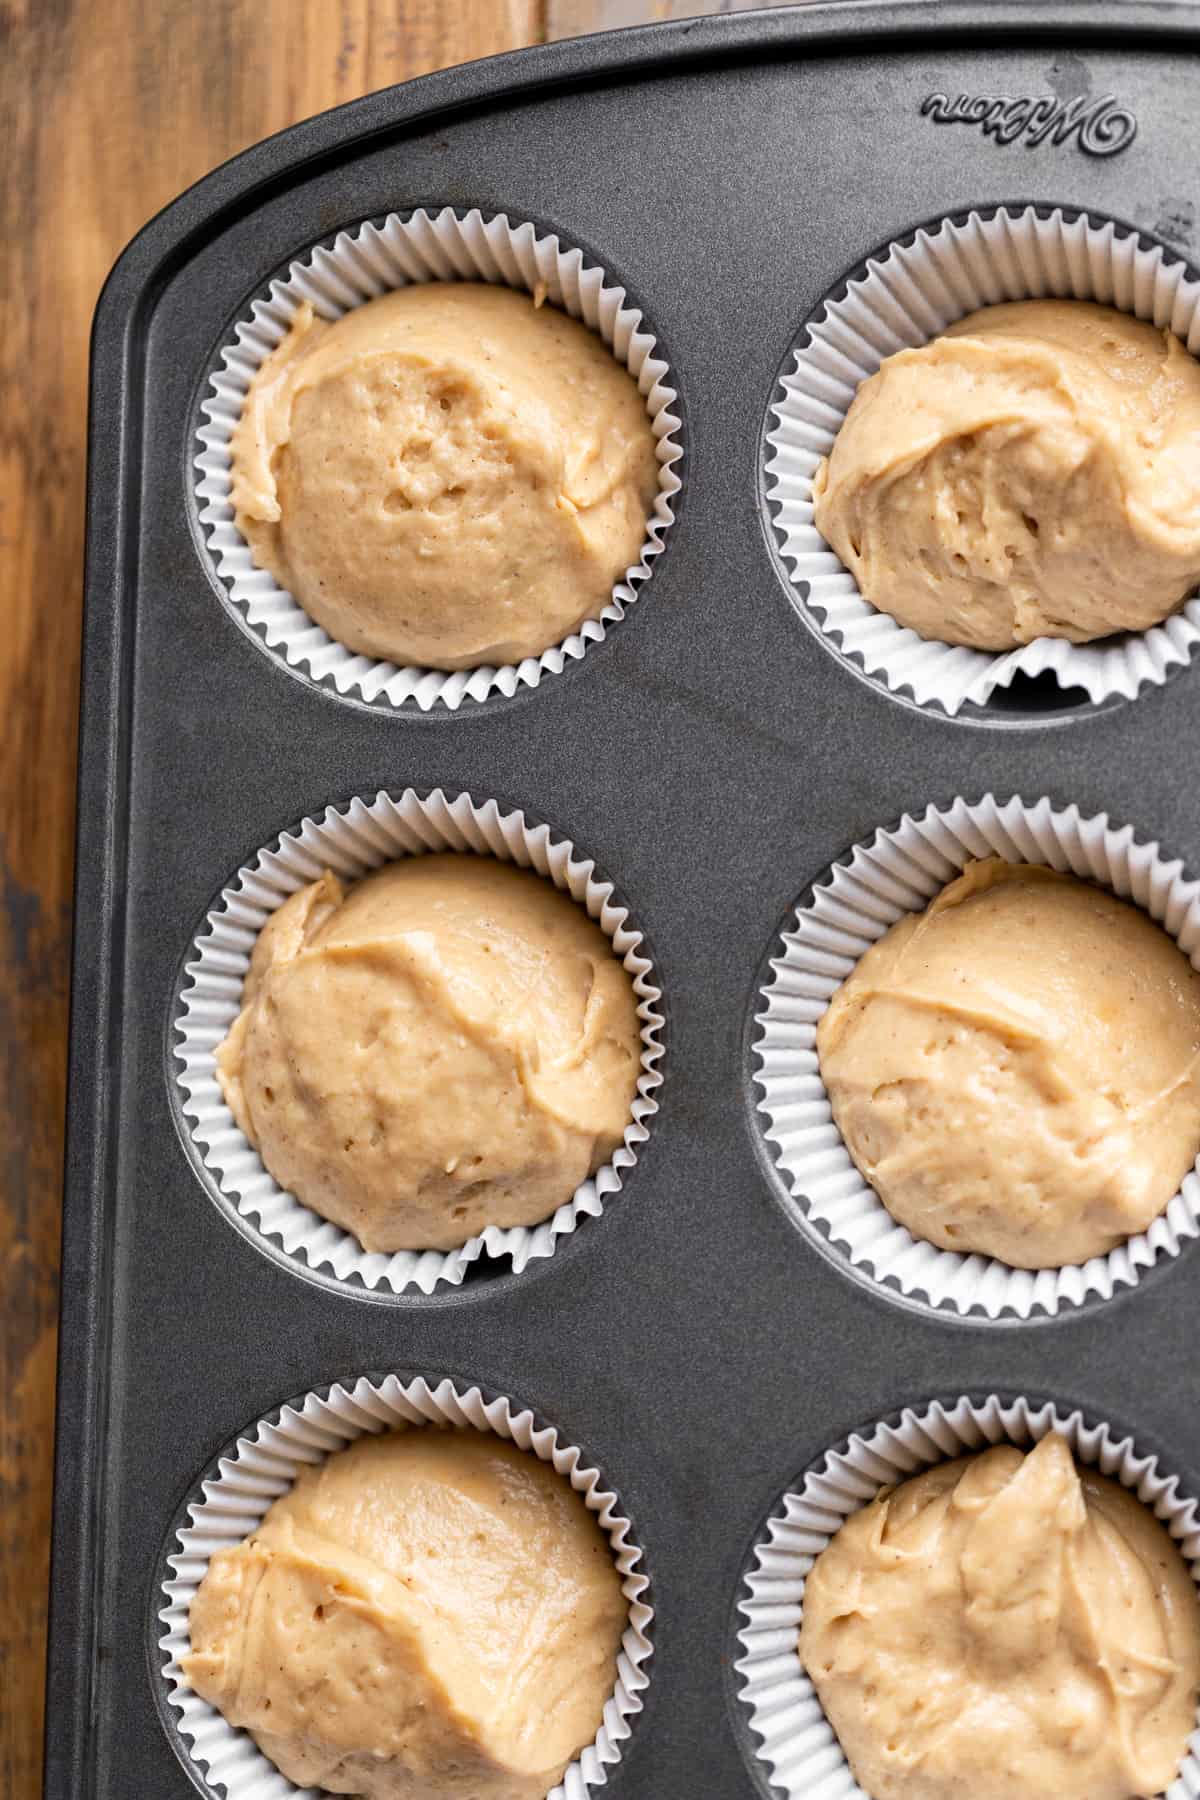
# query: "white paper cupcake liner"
908,294
352,840
798,1745
897,872
358,266
265,1462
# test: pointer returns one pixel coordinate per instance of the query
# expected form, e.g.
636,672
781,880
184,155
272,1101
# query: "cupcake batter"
1032,472
1016,1070
427,1615
1005,1627
451,1043
448,476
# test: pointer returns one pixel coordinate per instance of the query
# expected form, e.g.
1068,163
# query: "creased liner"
798,1745
265,1462
359,266
352,840
898,872
905,297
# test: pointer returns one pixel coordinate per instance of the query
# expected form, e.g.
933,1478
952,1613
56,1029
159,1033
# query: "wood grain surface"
570,18
107,109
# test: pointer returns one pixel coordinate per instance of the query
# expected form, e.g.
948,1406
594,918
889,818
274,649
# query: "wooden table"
107,110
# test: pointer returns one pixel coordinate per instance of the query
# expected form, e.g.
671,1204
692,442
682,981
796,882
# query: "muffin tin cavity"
791,1738
897,872
352,840
356,267
902,296
264,1461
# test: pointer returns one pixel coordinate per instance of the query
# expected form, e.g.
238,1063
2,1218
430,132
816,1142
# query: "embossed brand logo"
1102,127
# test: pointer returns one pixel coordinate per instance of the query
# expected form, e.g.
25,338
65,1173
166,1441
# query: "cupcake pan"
716,752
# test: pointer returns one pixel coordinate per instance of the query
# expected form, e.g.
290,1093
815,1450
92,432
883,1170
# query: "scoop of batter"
1033,472
1005,1627
449,1044
1016,1070
448,476
428,1615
